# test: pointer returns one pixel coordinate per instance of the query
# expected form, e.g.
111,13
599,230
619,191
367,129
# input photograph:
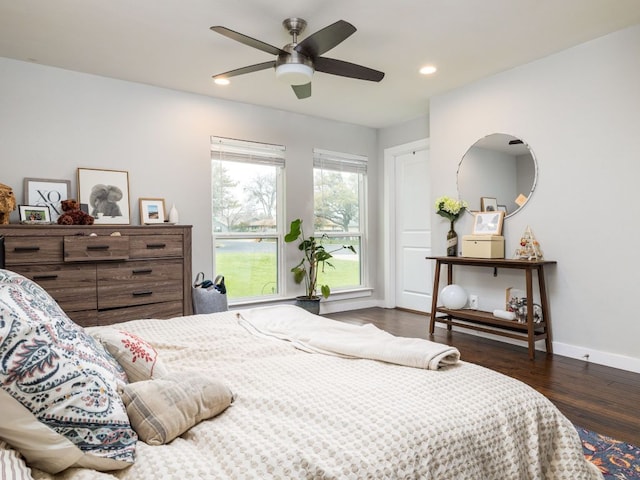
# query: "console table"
486,321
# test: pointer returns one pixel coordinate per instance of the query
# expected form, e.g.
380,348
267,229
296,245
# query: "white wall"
53,121
579,110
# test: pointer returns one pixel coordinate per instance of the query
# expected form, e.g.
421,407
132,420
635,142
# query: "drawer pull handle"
140,271
145,293
46,277
156,245
26,249
97,247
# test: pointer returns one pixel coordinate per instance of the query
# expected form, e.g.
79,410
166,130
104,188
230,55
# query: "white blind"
245,151
342,162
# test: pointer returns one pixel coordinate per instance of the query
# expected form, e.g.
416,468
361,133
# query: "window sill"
335,296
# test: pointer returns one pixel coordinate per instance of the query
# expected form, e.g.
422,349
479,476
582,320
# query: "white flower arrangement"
450,208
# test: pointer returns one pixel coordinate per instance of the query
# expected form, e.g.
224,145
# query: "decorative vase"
452,242
173,214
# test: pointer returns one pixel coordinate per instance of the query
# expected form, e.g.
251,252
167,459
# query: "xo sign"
47,193
49,198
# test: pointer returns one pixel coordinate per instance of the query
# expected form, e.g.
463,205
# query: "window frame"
346,162
253,153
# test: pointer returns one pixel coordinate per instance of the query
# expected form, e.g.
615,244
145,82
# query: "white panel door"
413,231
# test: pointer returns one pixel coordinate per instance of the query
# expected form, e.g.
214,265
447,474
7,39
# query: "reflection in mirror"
500,167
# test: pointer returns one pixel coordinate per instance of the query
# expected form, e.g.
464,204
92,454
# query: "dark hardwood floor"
603,399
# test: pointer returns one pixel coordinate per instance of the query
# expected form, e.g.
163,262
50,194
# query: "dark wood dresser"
101,279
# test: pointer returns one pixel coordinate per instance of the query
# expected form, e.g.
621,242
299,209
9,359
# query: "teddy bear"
72,215
7,203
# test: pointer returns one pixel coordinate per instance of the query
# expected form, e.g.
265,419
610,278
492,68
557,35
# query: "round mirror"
498,172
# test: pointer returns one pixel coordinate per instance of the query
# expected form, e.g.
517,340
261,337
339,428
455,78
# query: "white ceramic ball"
453,296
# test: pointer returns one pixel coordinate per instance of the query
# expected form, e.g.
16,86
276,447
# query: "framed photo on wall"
106,192
46,192
488,223
488,204
151,210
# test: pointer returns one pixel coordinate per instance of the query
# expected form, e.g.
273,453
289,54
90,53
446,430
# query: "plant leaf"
294,231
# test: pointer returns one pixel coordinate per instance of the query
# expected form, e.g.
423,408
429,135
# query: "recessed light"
428,70
221,81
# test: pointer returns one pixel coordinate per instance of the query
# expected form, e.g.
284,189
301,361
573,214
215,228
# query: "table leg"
434,298
449,282
530,331
544,304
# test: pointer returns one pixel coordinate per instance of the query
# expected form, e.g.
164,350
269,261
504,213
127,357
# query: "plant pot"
310,304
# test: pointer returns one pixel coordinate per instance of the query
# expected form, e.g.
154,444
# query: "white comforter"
299,415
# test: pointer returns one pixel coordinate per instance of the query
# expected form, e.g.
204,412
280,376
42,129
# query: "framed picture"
502,208
488,204
44,192
488,223
151,210
35,214
106,192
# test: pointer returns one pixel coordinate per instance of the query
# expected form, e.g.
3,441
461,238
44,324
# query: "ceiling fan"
296,62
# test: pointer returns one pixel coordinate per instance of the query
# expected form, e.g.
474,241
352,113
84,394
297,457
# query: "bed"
286,407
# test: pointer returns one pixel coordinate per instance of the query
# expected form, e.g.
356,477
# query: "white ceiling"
168,43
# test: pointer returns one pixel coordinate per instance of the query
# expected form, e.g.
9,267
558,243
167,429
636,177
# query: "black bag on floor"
208,296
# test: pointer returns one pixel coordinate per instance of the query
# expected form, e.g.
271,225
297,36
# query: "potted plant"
314,259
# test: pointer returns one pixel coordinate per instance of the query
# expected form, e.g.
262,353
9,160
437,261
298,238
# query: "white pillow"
58,386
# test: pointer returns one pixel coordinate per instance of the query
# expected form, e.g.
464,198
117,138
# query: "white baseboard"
594,356
571,351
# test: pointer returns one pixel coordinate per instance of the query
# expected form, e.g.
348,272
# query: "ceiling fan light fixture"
221,81
294,73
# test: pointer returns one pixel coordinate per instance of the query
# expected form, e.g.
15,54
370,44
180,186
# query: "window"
339,213
246,195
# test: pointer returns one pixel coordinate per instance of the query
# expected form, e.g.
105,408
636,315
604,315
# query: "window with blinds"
246,199
339,214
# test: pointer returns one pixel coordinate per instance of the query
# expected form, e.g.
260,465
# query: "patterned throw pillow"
162,409
58,386
137,357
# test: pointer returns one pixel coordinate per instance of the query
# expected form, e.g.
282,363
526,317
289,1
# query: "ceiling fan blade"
251,42
346,69
324,40
302,91
249,69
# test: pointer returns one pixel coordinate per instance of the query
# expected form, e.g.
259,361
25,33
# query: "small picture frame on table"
49,192
151,211
488,204
502,208
488,223
35,214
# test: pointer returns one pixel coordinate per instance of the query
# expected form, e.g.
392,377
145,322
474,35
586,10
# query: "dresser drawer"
72,286
153,310
93,249
139,283
85,318
28,250
149,246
